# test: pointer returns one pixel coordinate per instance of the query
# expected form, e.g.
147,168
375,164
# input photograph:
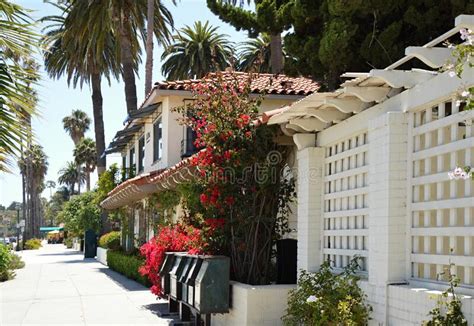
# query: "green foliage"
196,51
127,265
32,244
327,298
110,240
5,259
107,181
82,213
18,72
330,37
16,262
68,243
448,305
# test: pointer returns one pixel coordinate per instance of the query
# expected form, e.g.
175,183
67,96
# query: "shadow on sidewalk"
121,280
67,253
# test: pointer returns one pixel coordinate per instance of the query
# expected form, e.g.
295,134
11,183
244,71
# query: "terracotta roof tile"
261,83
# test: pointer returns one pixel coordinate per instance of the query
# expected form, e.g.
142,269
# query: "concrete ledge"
408,305
101,255
255,305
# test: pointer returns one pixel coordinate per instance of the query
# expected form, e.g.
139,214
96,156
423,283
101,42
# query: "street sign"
22,223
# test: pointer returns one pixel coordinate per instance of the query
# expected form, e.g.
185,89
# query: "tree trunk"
149,46
98,123
128,73
79,179
276,53
88,180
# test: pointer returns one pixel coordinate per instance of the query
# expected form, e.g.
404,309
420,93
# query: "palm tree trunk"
78,179
276,53
88,180
149,46
98,123
128,73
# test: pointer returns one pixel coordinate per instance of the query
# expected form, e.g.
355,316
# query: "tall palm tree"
72,50
150,13
16,97
70,175
255,55
196,51
76,125
126,21
36,160
85,153
50,184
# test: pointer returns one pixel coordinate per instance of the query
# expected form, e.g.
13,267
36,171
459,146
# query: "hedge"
127,265
32,244
110,240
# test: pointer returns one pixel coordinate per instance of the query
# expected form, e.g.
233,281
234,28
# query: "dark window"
141,154
187,146
131,164
157,140
124,167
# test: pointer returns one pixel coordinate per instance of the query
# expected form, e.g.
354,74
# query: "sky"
58,100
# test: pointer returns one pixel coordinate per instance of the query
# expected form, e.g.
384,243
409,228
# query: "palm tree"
76,125
17,100
50,184
195,52
255,55
70,175
125,20
72,50
149,45
36,160
85,153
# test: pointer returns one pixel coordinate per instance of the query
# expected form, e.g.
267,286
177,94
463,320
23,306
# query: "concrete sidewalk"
59,287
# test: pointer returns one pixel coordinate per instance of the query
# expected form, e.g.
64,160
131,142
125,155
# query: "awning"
51,228
144,112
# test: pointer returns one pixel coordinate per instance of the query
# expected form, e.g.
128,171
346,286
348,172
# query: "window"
124,167
141,154
131,165
157,140
187,146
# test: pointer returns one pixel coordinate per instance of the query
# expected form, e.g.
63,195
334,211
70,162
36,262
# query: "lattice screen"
442,210
345,231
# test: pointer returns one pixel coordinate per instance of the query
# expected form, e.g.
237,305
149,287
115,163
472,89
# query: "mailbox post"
198,284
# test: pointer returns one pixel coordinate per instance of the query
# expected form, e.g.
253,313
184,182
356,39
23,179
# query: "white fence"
441,210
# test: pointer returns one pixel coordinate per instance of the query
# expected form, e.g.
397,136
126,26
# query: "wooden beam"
368,94
401,78
309,124
433,57
328,114
346,104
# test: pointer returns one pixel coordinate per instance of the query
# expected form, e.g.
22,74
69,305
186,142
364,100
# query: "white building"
155,146
372,179
373,161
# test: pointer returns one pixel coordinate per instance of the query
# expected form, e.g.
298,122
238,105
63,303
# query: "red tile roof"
261,83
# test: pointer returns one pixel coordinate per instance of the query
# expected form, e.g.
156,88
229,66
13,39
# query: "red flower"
204,199
229,200
248,134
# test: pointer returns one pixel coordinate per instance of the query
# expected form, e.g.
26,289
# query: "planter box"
255,305
102,255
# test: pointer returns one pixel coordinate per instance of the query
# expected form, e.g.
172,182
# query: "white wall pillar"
387,197
387,206
310,211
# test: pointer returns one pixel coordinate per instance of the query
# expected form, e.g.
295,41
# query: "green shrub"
5,260
32,244
110,240
127,265
68,243
326,298
9,261
16,262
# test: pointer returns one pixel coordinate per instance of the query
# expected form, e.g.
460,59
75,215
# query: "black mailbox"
211,289
175,274
184,275
164,272
190,281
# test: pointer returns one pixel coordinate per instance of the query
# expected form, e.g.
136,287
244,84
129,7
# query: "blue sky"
58,100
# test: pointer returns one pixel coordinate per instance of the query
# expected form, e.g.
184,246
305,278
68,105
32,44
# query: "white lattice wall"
441,210
345,229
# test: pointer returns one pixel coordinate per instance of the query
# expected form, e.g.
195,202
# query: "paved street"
58,286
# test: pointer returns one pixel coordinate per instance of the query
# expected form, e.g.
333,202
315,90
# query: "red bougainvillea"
170,238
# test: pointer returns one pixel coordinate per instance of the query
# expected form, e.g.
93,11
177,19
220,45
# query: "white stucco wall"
101,255
262,305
